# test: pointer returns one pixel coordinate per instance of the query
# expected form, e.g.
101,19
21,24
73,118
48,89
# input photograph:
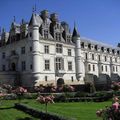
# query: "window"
72,79
82,45
31,66
23,65
58,36
59,63
105,58
46,49
46,78
110,59
58,48
3,67
89,67
106,68
86,56
30,48
47,65
46,34
22,50
102,67
113,68
99,57
68,39
93,57
115,59
69,65
69,52
3,55
116,69
93,67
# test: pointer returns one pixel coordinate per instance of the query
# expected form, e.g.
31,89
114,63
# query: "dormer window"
58,36
95,47
46,34
57,26
113,51
102,48
82,45
89,46
68,38
108,50
118,52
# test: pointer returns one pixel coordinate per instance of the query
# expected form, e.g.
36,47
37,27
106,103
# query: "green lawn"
79,110
7,112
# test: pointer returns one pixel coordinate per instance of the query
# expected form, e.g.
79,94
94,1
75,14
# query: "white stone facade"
44,50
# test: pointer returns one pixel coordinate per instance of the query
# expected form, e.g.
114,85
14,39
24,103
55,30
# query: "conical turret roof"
75,32
33,20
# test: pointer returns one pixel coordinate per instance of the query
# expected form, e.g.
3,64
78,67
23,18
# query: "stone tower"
34,37
78,56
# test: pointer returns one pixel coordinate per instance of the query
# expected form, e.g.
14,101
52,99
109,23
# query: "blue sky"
95,19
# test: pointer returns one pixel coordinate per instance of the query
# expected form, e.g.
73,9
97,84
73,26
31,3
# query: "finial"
74,24
75,32
14,19
33,9
22,21
3,30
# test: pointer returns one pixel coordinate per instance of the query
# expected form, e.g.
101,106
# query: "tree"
19,92
112,112
45,100
115,86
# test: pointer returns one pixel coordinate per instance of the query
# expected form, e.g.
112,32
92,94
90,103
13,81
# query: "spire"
33,21
75,32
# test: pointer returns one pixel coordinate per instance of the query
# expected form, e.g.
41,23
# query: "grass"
77,111
7,112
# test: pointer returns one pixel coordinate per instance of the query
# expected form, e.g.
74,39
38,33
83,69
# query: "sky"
95,19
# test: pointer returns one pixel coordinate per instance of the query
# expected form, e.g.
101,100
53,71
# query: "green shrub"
81,94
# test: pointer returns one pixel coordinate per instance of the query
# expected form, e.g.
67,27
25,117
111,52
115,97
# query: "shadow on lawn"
26,118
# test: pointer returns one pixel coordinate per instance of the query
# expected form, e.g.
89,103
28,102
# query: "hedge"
38,114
